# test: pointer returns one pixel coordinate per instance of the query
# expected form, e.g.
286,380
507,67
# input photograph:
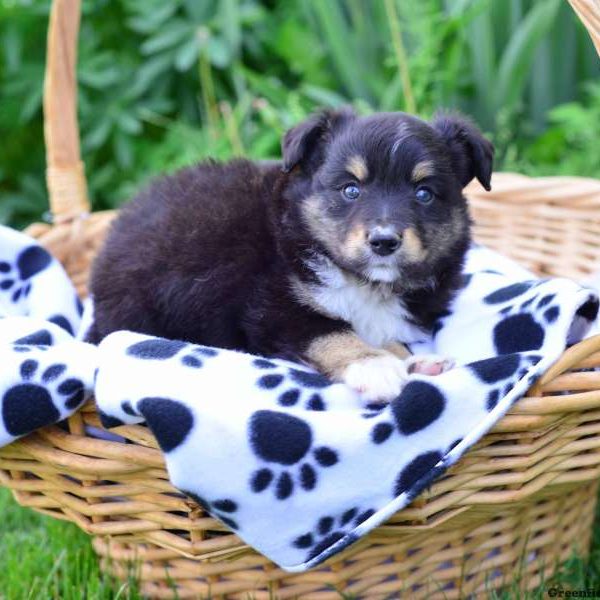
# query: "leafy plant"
570,144
162,84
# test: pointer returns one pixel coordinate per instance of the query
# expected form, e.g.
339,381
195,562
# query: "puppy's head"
383,194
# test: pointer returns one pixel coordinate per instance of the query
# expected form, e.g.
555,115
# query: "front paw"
429,364
377,378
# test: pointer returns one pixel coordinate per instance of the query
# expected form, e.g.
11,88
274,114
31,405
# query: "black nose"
384,244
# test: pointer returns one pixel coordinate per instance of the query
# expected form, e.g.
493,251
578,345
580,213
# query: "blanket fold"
298,466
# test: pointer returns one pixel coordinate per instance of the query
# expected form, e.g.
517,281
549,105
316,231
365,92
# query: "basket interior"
509,495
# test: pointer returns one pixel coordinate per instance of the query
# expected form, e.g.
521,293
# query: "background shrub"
166,83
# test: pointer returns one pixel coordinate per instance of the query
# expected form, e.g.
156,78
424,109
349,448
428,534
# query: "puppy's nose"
384,242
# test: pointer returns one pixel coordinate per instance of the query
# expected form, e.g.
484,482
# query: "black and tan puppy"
351,245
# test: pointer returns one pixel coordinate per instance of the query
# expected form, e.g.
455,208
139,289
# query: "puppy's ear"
472,155
304,144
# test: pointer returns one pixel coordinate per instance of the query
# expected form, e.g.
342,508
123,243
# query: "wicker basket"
520,502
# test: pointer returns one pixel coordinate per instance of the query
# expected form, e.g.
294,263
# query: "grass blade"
518,56
337,39
400,54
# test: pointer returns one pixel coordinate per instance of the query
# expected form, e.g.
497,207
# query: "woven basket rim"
545,452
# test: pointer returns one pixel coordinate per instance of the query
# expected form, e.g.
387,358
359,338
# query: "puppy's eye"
351,191
424,195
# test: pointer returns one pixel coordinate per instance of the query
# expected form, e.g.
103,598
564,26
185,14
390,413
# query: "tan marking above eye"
357,166
422,170
412,245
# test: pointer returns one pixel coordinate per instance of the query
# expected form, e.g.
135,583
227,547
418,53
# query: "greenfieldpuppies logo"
558,592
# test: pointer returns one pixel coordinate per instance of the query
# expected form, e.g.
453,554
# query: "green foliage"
163,84
46,558
570,144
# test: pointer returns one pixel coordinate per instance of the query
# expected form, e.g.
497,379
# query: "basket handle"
588,12
65,176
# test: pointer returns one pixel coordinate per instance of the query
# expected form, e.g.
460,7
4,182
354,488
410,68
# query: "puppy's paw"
377,378
428,364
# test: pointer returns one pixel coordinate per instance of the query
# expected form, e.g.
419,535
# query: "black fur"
208,255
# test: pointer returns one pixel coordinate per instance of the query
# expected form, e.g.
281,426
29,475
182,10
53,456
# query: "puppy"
349,247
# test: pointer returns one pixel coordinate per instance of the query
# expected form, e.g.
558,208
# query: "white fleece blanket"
298,466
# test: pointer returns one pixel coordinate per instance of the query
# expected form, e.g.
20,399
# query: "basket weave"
514,508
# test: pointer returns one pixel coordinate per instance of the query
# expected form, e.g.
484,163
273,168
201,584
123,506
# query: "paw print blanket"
297,465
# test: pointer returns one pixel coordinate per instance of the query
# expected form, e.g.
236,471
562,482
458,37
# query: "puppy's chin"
402,276
382,273
372,269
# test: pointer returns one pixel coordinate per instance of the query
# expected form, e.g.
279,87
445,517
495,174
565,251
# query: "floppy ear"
472,154
304,144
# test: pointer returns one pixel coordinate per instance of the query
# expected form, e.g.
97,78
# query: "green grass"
41,557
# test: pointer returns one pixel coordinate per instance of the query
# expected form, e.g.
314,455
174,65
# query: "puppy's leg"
295,332
377,374
398,350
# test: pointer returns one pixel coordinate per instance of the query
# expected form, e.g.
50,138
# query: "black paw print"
585,315
220,509
420,473
523,324
374,409
193,358
329,530
503,372
303,384
419,405
42,337
161,349
62,322
286,441
523,327
28,348
512,291
29,405
38,340
30,262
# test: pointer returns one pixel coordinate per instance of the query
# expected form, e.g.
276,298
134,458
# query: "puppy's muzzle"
384,240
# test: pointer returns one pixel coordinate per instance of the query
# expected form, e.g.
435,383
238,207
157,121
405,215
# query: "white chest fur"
374,312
